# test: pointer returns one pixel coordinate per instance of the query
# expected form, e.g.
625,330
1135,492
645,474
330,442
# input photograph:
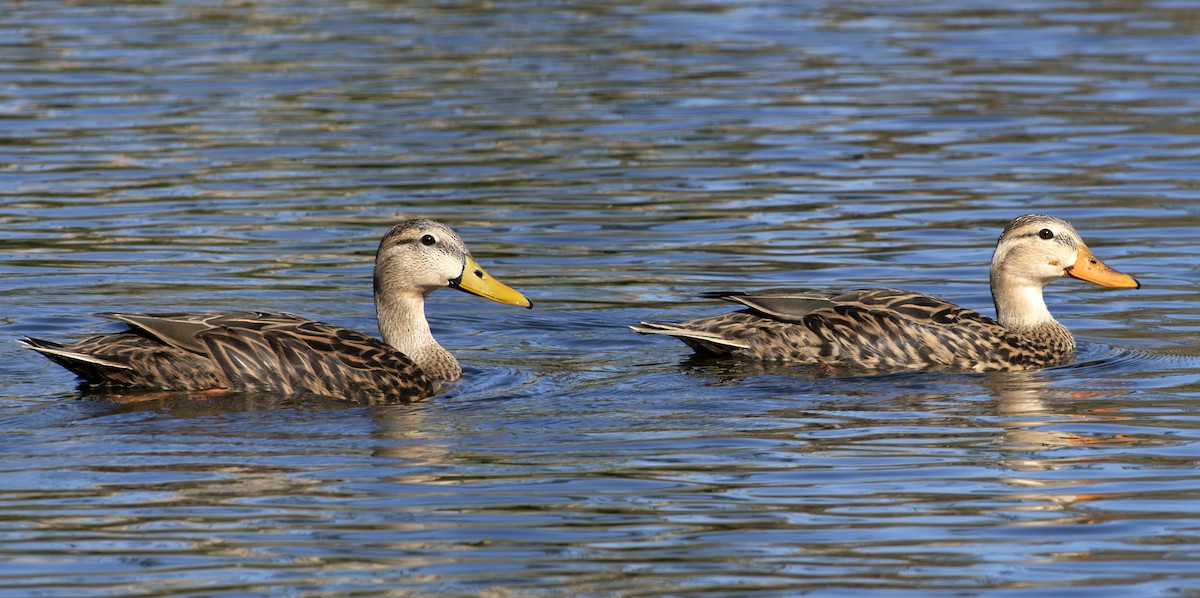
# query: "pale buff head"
1036,249
417,257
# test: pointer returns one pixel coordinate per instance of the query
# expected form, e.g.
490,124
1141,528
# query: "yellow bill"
1089,267
476,281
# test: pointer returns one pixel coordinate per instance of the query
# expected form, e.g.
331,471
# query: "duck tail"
699,340
88,367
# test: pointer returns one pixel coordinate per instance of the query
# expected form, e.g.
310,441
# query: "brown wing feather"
245,358
785,305
327,360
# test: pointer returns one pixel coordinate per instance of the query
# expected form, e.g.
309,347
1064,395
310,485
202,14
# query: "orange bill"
1089,267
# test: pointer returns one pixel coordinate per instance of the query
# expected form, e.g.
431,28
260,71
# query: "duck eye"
428,240
1046,234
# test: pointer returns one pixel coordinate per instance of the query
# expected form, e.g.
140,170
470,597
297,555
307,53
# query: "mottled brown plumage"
895,329
282,352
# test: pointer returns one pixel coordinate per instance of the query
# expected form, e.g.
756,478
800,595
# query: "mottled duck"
895,329
287,353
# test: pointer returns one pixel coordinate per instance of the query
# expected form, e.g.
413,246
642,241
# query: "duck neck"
1022,310
402,325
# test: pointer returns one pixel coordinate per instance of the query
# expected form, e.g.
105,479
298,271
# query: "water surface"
612,161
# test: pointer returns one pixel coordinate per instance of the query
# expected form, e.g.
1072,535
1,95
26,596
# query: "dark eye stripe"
1064,239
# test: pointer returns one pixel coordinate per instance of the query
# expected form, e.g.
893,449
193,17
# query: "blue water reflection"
612,161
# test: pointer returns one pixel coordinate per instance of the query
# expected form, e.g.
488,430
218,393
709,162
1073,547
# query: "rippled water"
612,161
